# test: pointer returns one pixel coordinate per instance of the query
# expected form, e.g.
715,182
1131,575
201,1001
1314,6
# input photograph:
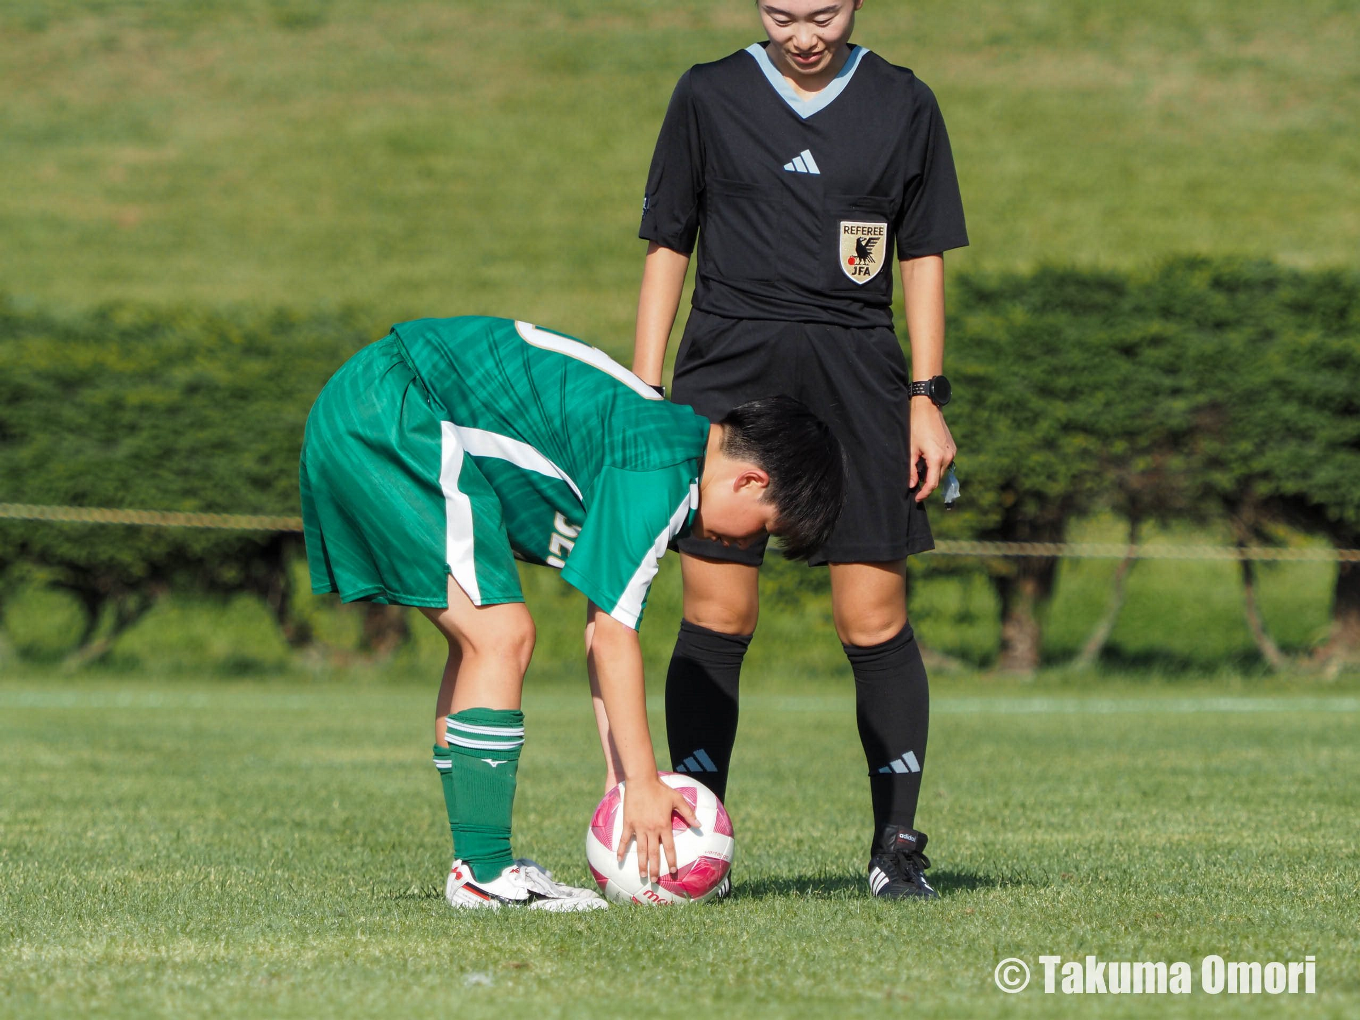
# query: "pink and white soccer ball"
703,855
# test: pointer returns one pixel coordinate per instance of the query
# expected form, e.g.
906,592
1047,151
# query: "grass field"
181,849
437,158
273,845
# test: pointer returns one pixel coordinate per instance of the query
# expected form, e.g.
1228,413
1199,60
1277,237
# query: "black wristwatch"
661,391
937,389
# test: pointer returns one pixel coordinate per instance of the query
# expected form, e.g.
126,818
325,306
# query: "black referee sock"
701,702
892,707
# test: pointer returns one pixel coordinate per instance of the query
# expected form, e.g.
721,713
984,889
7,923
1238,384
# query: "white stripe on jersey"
480,443
629,607
592,356
458,550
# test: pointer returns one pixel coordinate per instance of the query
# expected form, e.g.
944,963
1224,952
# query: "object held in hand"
951,488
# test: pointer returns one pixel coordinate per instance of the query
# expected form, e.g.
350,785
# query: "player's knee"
725,618
509,639
518,644
872,628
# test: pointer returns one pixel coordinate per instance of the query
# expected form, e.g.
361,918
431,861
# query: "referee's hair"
805,464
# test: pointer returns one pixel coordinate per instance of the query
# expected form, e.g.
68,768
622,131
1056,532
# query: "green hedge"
159,408
1198,390
1201,389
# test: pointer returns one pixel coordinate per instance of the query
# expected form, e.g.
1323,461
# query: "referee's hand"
931,444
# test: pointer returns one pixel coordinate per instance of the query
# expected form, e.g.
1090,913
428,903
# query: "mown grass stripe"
947,705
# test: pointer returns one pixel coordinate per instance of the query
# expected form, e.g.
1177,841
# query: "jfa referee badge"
862,249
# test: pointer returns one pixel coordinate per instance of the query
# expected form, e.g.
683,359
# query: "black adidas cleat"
897,865
724,888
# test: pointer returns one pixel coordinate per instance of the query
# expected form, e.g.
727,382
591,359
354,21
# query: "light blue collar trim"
805,108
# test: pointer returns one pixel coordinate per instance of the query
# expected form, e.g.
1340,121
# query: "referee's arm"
923,296
663,279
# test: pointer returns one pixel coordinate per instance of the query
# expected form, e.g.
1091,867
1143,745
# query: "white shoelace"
538,879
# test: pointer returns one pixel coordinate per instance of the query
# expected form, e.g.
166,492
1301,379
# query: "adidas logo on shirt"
699,761
803,163
906,763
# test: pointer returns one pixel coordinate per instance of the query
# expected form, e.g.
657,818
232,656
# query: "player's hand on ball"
647,810
932,443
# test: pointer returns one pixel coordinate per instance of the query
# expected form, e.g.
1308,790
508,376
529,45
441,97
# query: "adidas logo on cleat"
877,880
803,163
906,763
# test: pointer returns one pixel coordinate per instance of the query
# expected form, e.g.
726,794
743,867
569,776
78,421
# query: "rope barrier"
148,518
1111,551
1066,550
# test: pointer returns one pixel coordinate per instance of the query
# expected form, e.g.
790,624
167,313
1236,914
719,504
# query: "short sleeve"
932,209
633,517
670,205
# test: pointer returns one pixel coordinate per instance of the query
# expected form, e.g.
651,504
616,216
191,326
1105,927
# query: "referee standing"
799,166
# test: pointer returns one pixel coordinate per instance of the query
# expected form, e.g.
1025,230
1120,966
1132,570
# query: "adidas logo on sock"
803,163
906,763
699,761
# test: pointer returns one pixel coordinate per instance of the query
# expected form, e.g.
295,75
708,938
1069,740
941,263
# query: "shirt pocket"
737,240
857,246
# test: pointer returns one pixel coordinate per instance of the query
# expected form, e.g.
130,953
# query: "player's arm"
648,803
613,768
663,280
923,294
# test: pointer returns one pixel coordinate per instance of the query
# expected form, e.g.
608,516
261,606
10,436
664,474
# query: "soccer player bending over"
436,457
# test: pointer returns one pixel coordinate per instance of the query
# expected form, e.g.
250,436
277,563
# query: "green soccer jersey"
594,472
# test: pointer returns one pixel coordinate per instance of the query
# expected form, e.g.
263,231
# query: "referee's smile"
809,37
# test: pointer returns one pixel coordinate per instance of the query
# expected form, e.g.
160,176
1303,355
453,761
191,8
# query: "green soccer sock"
443,762
484,746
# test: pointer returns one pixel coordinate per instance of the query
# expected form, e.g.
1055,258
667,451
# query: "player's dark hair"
805,464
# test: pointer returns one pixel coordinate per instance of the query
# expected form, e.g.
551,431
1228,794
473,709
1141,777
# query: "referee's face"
809,38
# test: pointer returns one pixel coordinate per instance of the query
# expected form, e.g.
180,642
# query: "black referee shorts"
856,380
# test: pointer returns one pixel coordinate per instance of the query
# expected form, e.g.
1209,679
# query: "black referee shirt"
797,204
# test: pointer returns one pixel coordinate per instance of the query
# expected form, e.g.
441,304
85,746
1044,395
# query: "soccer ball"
704,854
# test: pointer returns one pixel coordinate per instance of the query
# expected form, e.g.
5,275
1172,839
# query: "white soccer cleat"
552,895
462,890
523,884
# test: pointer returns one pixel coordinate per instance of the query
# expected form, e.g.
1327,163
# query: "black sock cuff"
711,644
873,655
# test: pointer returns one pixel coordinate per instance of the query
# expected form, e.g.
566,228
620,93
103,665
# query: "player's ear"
754,479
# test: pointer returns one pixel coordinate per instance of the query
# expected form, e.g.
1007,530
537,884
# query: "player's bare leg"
479,733
892,696
868,601
721,596
489,652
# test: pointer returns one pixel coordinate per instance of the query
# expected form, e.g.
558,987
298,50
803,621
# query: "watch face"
940,390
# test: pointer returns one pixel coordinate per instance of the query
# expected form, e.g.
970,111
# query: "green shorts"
391,503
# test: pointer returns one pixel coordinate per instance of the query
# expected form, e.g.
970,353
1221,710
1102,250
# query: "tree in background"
1026,372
